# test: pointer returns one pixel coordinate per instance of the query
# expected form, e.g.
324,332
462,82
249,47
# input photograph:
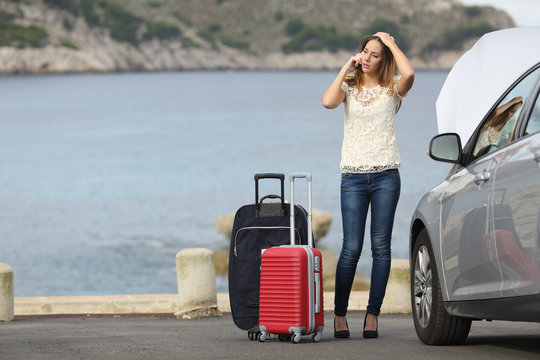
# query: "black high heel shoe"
342,334
370,334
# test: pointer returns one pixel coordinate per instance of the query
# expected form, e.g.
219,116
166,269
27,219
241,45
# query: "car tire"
434,326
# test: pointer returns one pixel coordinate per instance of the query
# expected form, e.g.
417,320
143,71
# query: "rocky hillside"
43,36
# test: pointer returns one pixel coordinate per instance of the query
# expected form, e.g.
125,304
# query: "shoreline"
186,71
52,60
155,304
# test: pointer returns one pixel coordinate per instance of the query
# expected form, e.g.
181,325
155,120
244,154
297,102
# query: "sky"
524,12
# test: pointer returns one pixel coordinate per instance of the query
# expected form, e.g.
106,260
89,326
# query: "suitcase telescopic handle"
270,176
277,176
306,176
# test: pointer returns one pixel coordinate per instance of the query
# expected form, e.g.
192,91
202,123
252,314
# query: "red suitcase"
291,289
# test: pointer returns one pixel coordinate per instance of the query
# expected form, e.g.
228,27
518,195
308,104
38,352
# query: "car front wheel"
434,326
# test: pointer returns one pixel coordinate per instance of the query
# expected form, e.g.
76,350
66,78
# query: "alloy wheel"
423,297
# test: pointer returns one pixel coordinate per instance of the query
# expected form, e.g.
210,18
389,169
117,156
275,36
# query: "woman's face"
371,57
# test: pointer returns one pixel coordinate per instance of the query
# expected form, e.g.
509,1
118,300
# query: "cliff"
57,36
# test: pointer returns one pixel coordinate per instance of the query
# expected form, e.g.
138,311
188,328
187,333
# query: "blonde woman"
372,91
491,136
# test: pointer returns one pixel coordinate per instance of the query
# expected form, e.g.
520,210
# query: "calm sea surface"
104,178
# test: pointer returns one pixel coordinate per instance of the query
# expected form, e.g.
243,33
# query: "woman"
369,165
492,137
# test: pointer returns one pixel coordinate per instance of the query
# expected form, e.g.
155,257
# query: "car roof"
482,75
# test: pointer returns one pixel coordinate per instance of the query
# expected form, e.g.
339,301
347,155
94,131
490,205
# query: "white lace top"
487,137
369,141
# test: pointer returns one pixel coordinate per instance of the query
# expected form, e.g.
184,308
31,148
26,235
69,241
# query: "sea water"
105,177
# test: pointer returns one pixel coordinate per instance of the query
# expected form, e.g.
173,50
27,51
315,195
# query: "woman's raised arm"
334,95
406,81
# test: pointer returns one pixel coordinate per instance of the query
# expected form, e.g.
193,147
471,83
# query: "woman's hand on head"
386,38
517,99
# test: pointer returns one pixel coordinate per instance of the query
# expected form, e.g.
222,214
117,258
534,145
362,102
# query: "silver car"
475,238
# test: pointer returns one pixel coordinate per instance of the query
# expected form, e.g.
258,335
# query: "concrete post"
196,277
398,290
7,300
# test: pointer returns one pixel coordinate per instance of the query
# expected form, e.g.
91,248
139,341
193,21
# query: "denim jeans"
358,191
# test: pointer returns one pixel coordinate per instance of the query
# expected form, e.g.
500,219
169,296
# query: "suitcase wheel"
262,336
295,339
317,336
254,335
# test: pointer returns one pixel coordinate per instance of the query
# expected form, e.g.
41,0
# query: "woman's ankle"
371,322
341,323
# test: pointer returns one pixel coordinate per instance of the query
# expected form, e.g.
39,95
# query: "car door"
471,243
470,273
516,208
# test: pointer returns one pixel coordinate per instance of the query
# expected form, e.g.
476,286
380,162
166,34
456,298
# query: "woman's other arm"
406,70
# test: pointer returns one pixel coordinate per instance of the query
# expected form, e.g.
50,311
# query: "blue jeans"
357,192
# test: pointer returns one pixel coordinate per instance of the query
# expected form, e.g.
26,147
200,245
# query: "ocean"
105,177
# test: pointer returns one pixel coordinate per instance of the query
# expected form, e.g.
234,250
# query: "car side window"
498,128
533,125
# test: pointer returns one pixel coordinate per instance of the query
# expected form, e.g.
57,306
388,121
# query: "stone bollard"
398,290
7,303
196,276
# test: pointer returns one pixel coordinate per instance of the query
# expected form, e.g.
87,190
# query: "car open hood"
481,76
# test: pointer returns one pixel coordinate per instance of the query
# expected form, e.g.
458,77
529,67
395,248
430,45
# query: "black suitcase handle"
269,209
270,176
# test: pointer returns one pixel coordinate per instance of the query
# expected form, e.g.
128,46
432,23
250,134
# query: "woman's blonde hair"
387,70
504,116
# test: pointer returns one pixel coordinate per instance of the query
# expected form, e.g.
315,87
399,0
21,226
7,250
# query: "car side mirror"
446,148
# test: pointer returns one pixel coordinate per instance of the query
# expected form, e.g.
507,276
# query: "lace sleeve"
349,91
396,92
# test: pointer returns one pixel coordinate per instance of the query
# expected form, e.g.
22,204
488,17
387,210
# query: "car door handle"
536,153
480,179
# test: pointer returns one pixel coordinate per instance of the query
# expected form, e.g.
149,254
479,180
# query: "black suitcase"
258,226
